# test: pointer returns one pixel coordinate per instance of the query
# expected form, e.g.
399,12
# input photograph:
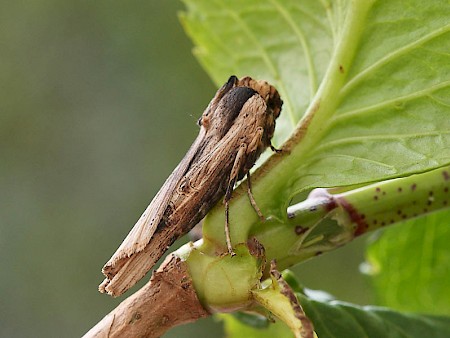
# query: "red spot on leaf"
300,230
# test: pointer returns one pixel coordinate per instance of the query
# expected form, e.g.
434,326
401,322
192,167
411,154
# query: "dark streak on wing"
231,101
195,185
230,107
227,111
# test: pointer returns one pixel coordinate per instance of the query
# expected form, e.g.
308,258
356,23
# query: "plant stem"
280,177
166,301
325,221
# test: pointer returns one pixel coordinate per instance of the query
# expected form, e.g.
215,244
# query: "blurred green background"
98,103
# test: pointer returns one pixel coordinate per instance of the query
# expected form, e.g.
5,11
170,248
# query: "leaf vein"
265,56
391,56
365,110
365,138
306,49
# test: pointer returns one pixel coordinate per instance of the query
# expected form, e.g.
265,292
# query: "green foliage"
336,319
366,87
353,130
410,265
342,320
367,74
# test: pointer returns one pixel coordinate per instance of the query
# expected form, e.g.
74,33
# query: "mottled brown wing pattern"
236,128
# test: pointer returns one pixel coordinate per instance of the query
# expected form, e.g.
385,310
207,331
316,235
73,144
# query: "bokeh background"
98,103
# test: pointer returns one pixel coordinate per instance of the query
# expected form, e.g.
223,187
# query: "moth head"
273,102
267,92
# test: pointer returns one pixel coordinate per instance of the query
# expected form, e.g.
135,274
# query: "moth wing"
131,255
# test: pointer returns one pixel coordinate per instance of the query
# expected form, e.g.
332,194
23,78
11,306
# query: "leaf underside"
373,80
409,265
390,114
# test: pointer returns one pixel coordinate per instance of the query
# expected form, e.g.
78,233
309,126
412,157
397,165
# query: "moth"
235,128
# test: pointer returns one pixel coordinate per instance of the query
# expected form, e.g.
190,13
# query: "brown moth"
235,128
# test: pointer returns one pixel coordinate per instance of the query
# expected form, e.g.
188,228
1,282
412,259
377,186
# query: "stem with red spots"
325,221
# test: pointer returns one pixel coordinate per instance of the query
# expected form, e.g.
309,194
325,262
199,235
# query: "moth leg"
227,229
252,199
238,162
251,147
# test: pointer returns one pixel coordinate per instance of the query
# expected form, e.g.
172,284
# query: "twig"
168,300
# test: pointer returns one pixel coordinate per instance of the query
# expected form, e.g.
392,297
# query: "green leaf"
283,42
409,265
372,79
366,90
343,320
